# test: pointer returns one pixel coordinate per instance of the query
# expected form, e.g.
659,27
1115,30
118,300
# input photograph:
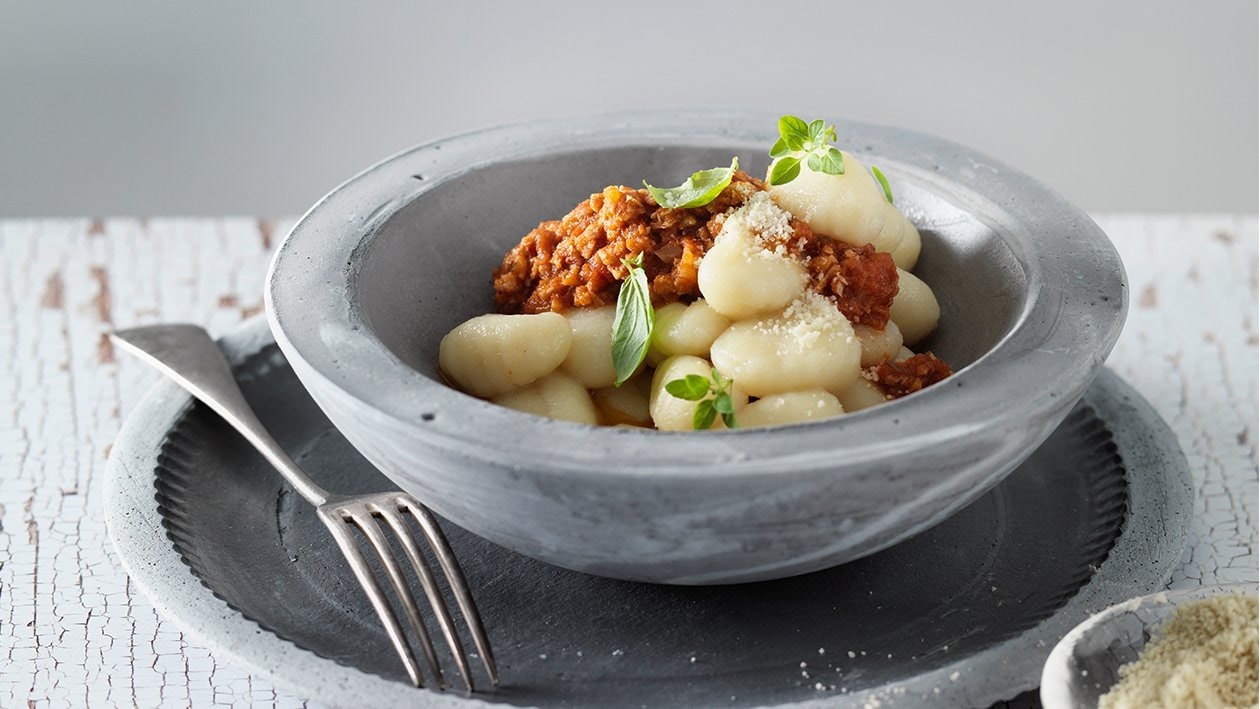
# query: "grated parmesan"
772,224
804,320
760,227
1205,655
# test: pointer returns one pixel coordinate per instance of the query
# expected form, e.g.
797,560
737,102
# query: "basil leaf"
794,132
780,149
729,420
785,170
698,190
703,418
633,322
883,182
693,387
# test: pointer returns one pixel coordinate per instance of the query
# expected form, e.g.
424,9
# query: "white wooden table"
75,632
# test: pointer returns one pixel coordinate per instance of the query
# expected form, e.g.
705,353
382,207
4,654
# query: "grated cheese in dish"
1205,655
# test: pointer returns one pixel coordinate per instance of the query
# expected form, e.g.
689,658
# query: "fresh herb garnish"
698,190
809,142
694,387
633,323
883,182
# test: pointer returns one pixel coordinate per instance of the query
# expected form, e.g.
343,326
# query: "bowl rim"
1062,252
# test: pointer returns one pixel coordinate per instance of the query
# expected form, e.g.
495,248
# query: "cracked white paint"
1190,347
74,632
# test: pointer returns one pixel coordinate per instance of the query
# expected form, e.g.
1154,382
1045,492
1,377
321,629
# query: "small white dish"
1086,663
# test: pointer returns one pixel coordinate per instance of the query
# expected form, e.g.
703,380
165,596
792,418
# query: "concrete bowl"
1033,297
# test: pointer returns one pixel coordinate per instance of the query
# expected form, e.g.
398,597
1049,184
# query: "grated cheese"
760,226
1205,655
804,320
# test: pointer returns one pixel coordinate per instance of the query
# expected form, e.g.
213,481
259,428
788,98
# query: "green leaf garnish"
830,162
794,132
698,190
816,128
722,402
633,322
883,182
785,170
808,142
702,419
694,387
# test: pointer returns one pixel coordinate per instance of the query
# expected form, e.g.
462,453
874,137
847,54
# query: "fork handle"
187,355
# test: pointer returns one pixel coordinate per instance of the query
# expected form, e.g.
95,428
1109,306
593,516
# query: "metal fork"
187,355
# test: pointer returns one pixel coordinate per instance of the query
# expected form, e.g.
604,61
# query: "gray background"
158,108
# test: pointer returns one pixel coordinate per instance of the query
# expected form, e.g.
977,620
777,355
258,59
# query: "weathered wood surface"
74,632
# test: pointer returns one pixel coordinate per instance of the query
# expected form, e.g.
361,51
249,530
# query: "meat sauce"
576,262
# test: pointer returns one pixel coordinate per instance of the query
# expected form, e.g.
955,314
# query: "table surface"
74,631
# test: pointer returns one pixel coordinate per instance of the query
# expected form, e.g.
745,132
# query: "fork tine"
349,545
376,538
431,590
455,576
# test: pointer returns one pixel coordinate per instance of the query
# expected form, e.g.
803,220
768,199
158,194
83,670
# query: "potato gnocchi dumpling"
849,207
810,345
746,297
906,253
878,345
893,232
590,358
494,354
626,404
862,394
792,407
914,308
730,267
556,396
670,413
687,329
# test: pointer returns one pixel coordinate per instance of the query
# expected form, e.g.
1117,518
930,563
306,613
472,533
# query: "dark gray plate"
963,614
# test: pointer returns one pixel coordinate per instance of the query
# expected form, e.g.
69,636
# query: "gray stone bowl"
1033,297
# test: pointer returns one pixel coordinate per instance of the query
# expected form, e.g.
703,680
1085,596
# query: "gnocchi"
671,413
494,354
862,394
556,396
906,253
809,345
914,308
792,407
736,261
626,404
686,329
781,304
878,345
590,358
850,207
